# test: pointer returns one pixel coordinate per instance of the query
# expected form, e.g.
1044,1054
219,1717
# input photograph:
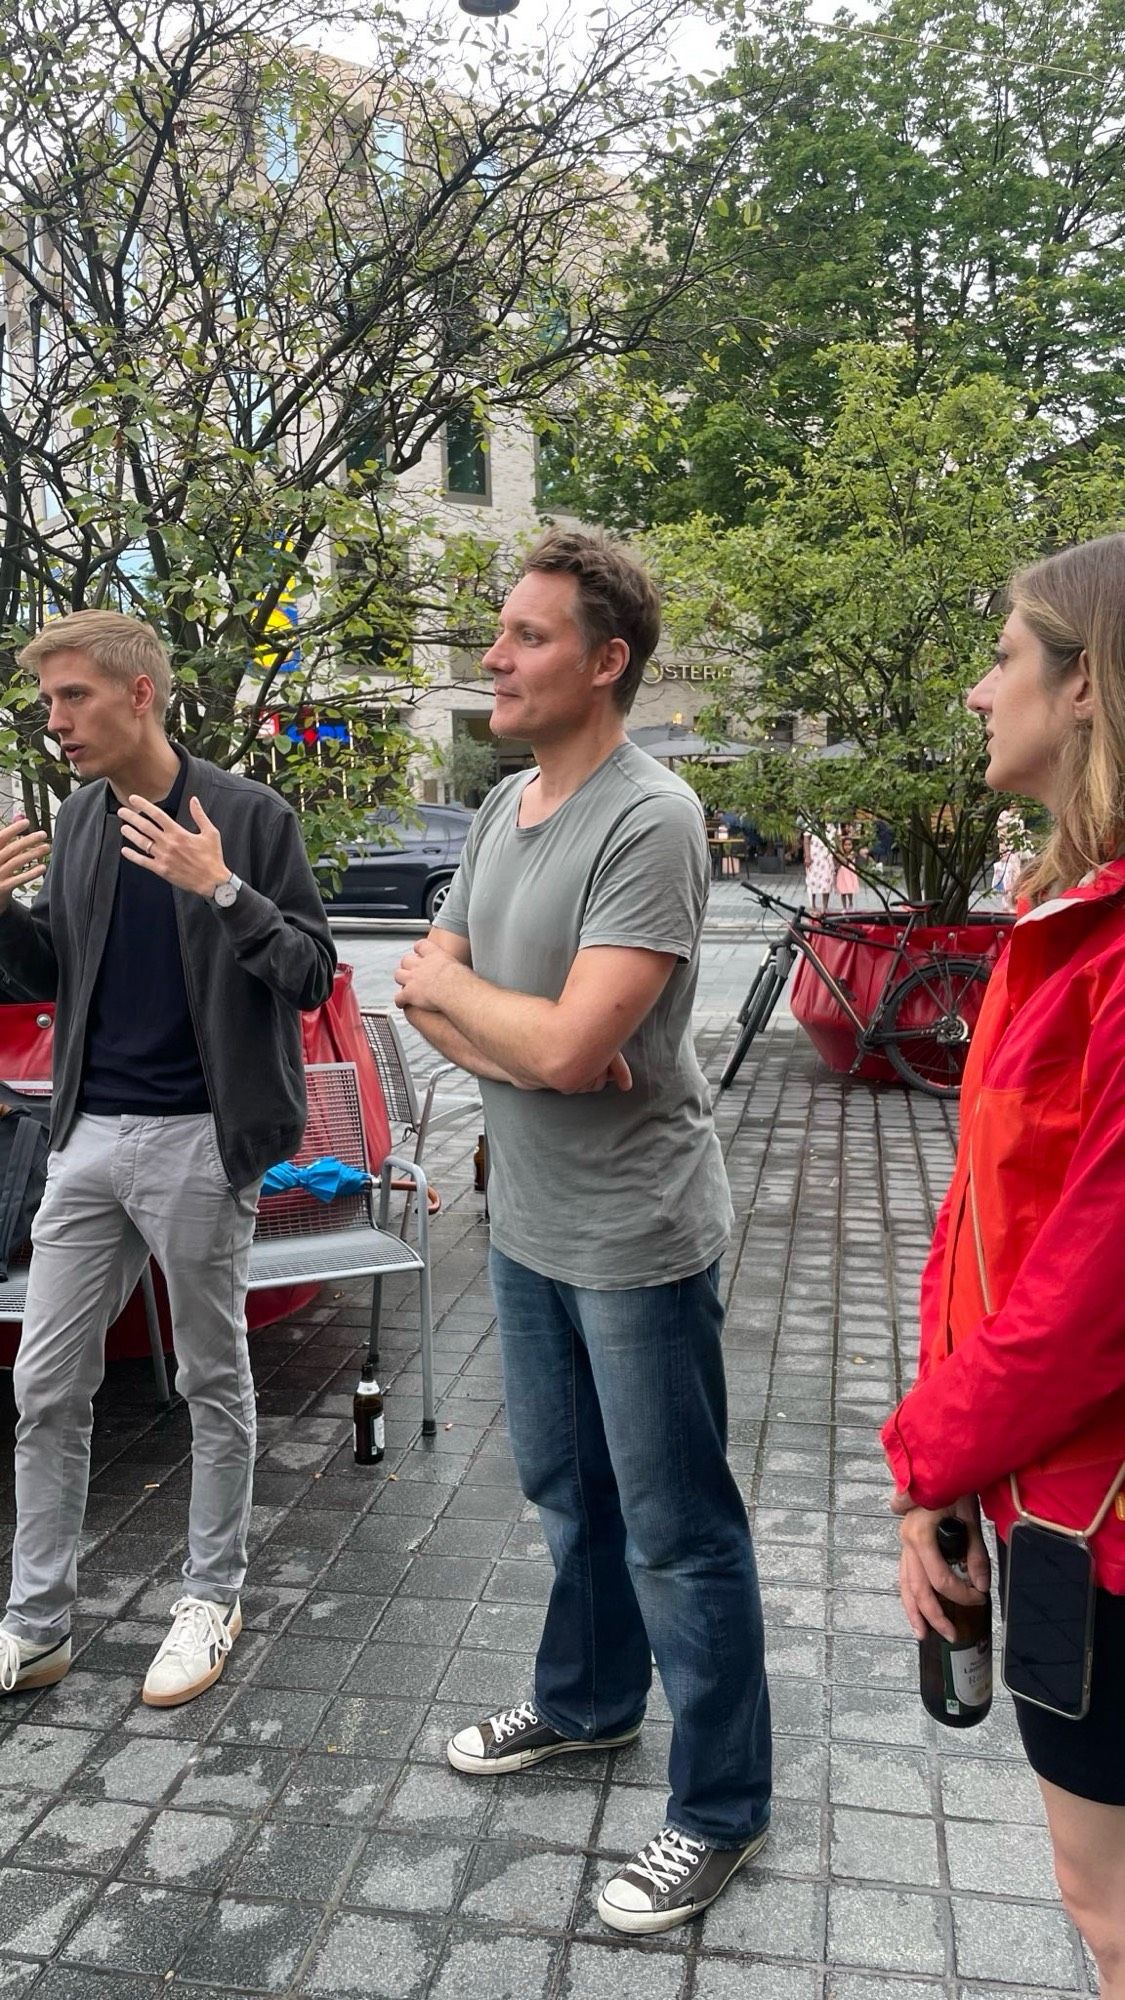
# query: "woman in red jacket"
1022,1363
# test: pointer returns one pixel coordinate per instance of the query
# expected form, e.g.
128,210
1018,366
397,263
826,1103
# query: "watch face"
225,894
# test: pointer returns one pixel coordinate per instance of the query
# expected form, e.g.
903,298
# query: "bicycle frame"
801,927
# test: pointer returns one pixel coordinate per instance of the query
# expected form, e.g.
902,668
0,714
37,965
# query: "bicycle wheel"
928,1019
768,996
756,985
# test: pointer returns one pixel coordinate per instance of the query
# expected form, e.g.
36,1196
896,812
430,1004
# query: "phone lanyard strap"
1076,1534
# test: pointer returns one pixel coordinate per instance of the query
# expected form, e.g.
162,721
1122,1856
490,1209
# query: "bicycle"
923,1020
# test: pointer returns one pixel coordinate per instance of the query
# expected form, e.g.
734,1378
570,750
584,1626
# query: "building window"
279,144
466,460
386,147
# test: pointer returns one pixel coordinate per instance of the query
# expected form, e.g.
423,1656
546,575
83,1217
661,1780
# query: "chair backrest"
390,1060
334,1126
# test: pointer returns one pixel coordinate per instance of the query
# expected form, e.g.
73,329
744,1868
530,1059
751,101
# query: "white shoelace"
667,1859
11,1660
511,1720
196,1625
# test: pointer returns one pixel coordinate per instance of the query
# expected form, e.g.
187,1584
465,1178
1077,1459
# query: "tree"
245,285
940,175
866,594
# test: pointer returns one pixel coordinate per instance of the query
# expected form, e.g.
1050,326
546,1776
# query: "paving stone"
327,1790
863,1775
72,1982
90,1701
413,1872
862,1986
86,1835
1014,1859
43,1759
372,1725
884,1847
610,1973
512,1884
433,1796
249,1944
191,1850
286,1720
543,1806
407,1672
972,1789
1012,1941
505,1968
18,1811
724,1979
136,1929
376,1957
304,1863
36,1910
16,1977
766,1914
141,1770
233,1779
886,1927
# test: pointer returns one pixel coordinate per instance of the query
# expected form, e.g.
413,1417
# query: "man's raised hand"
23,858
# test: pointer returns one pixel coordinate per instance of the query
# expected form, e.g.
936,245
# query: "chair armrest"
395,1163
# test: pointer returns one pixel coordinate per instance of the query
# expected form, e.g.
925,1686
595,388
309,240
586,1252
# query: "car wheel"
435,896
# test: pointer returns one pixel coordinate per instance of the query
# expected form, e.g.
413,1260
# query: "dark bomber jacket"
249,969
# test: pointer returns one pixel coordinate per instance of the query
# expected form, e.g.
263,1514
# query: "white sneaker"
195,1652
24,1665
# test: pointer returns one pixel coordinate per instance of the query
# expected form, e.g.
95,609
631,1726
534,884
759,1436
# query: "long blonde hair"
1074,602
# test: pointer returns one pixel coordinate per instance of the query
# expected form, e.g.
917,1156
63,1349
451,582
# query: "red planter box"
332,1033
862,965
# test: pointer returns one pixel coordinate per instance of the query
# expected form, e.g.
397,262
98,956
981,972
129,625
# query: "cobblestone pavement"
297,1832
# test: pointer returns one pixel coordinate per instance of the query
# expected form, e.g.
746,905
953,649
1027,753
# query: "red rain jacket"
1025,1370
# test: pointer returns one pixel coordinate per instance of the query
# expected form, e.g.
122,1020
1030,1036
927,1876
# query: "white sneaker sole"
645,1922
197,1687
44,1676
524,1760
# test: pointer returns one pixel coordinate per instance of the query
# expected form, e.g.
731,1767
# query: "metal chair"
299,1240
399,1086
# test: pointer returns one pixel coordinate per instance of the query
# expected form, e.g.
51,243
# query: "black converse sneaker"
670,1881
517,1738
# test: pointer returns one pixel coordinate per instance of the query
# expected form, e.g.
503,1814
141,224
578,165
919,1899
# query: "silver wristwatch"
226,893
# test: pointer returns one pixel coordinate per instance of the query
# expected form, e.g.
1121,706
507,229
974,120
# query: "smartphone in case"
1049,1602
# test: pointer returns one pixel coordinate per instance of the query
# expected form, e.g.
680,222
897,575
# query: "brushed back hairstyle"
119,647
617,598
1074,602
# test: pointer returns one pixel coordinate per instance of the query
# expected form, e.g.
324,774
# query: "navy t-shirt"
142,1057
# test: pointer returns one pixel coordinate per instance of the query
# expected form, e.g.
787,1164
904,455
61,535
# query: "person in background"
847,881
179,932
820,870
1020,1396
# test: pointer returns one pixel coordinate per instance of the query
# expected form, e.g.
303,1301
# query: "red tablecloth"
332,1033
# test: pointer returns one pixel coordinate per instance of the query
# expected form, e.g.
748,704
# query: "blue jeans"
617,1414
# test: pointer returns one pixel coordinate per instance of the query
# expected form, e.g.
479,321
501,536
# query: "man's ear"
144,694
612,664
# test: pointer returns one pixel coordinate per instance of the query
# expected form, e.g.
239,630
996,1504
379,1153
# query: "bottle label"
379,1434
968,1675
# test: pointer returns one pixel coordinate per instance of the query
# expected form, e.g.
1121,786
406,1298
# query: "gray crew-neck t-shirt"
613,1188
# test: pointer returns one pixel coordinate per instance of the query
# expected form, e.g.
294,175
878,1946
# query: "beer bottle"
367,1418
955,1675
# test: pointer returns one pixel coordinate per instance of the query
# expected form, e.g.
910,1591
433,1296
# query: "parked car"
404,867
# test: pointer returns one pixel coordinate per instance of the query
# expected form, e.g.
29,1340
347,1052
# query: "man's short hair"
119,647
617,598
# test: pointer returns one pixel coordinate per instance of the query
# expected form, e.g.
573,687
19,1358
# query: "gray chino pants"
119,1189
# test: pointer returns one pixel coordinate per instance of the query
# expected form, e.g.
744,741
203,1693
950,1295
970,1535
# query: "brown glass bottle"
367,1418
955,1675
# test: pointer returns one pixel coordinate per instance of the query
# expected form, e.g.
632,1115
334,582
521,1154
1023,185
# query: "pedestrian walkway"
296,1832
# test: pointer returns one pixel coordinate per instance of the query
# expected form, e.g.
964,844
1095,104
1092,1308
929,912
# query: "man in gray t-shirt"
562,972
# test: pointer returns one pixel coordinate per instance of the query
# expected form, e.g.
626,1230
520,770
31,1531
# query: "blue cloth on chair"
325,1178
